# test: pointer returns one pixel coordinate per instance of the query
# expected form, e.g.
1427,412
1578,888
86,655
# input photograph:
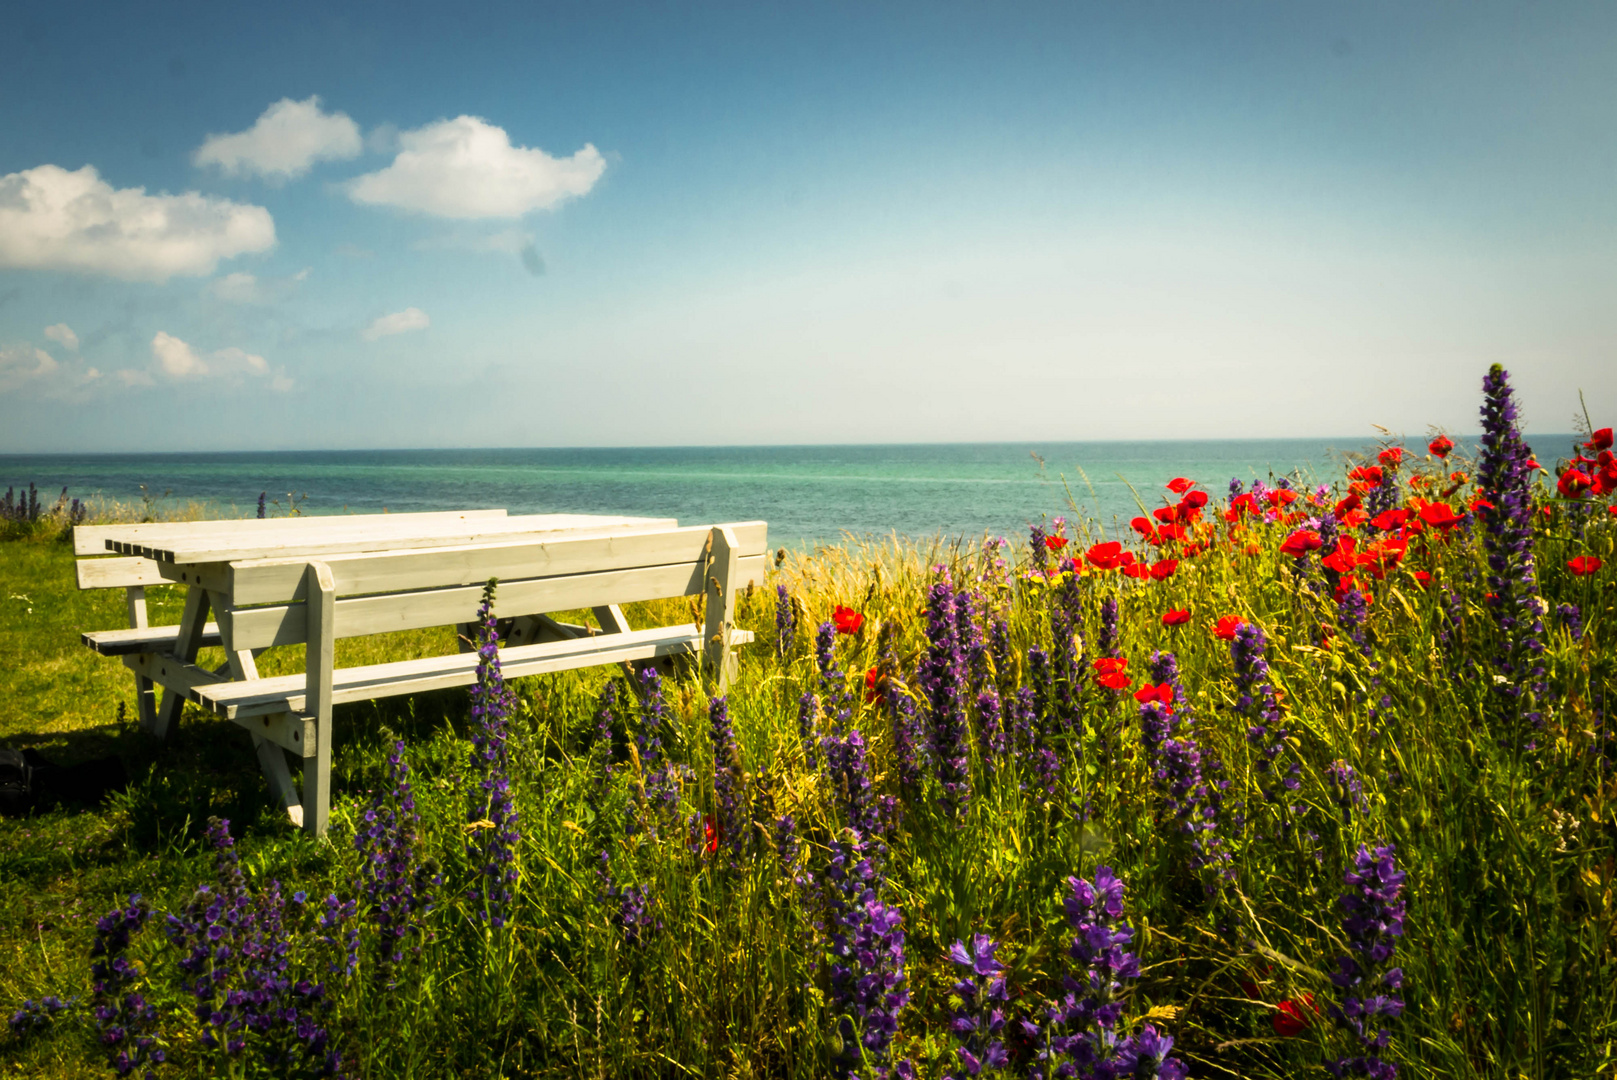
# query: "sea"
810,495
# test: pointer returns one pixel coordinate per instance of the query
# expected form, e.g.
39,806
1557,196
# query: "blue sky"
402,226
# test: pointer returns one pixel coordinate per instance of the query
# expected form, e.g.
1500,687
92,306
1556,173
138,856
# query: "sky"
287,226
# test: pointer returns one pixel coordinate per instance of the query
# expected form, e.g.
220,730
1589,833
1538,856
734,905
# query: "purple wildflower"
1571,617
1191,792
1346,788
728,780
1259,706
661,776
942,679
785,622
397,886
492,845
867,982
36,1016
126,1020
1106,643
1373,920
1505,476
980,1018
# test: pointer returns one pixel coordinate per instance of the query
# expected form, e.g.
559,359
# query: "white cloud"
285,142
52,219
63,335
467,168
245,288
175,358
21,364
397,323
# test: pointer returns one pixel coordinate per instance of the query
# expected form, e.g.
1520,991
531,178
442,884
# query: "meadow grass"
699,945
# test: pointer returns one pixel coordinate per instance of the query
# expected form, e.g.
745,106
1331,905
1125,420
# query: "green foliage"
1508,957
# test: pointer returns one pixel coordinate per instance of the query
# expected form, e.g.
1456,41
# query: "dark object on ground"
29,782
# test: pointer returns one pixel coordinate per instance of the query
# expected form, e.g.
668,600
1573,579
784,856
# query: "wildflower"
1300,543
35,1016
1599,440
848,621
1441,446
492,850
1572,618
785,622
868,982
1226,626
1105,556
1055,543
1373,921
980,1017
1294,1016
1164,569
1179,485
1149,693
941,680
397,887
1584,565
126,1020
1106,645
1175,617
1257,703
1505,472
1573,484
728,784
1391,457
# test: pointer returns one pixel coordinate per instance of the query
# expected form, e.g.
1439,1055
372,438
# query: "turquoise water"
808,494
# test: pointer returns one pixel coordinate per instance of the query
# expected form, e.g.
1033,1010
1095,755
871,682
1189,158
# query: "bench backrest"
125,571
378,592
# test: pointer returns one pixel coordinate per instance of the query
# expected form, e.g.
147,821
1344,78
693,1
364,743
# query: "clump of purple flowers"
1505,476
785,622
236,964
867,982
632,908
127,1021
1259,706
397,885
1177,767
942,680
492,845
1373,920
36,1016
980,1018
1079,1034
728,783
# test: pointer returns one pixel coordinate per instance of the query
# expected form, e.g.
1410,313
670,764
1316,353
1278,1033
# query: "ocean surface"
808,494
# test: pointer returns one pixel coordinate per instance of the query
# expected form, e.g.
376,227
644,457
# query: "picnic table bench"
292,582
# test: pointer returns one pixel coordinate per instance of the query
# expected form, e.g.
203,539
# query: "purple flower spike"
1373,921
492,844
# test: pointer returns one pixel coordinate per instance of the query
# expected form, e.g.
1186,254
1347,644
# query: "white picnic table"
310,580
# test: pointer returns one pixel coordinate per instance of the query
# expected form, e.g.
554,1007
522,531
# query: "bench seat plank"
286,693
144,639
92,539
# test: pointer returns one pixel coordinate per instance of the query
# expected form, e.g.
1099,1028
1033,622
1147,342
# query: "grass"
1510,851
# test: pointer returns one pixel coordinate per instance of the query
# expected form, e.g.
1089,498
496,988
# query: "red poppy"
1194,501
1148,693
1369,474
1389,520
1227,626
1175,617
1532,463
1105,556
1354,518
1479,506
1110,665
1179,485
1573,483
1055,543
1166,514
1584,564
1164,569
1118,680
1599,440
1136,570
1440,515
1441,446
1351,502
710,831
847,619
1344,557
1612,510
1173,532
1392,456
1280,496
1292,1018
1422,578
1301,542
1142,525
873,693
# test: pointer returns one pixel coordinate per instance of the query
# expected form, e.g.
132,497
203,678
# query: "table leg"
145,690
319,661
185,649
